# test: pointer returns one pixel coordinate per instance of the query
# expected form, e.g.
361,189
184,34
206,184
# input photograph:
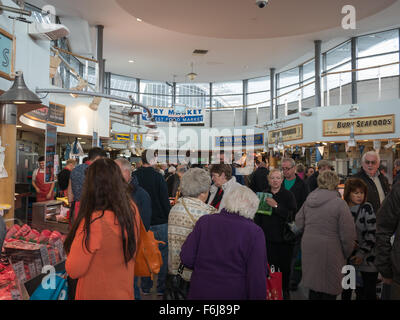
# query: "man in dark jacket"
141,199
153,182
295,185
387,259
259,178
377,183
396,165
312,180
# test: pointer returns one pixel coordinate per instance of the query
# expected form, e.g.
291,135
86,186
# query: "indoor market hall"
199,158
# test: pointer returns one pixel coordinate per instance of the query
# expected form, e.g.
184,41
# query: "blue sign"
256,140
190,115
50,152
6,54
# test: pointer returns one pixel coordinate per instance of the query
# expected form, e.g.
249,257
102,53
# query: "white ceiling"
243,40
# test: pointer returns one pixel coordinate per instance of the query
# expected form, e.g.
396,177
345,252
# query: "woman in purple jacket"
227,252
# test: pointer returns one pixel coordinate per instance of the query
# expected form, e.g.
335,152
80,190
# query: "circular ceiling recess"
242,19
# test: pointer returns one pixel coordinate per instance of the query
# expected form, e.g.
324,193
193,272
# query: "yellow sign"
288,134
125,137
364,125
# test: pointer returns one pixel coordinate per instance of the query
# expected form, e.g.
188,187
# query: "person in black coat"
283,205
312,180
259,178
299,188
154,183
377,183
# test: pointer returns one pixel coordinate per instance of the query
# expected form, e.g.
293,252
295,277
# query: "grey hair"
194,182
275,170
292,162
397,163
242,201
371,153
328,180
125,164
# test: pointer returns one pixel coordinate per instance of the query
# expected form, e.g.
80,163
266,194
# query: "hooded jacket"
329,236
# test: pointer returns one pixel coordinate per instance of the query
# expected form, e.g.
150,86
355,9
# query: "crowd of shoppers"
215,234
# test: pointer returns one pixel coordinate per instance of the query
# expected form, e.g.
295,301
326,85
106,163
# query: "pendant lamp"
19,93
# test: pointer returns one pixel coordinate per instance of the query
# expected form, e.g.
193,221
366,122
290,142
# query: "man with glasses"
296,185
378,184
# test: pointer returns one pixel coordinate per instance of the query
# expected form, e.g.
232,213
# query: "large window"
338,56
227,94
155,93
193,94
288,82
378,49
123,86
258,91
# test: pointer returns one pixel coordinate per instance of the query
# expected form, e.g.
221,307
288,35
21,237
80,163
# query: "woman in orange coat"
102,243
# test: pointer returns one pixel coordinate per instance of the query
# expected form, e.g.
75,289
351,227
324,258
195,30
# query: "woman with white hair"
195,185
279,250
227,252
329,236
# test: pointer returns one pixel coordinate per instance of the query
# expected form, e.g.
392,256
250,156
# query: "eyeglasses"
287,168
370,162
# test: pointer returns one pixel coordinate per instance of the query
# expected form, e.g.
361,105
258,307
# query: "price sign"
38,266
20,271
52,257
15,294
60,247
45,255
32,269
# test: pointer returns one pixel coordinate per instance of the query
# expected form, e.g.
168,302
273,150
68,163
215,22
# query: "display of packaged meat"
12,231
44,236
55,235
25,229
33,235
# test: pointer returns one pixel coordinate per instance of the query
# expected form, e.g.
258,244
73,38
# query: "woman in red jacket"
102,244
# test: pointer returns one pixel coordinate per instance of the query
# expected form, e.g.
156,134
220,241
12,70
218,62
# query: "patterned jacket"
365,223
180,224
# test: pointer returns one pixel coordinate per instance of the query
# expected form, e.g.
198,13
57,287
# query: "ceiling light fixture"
139,20
19,93
192,75
131,61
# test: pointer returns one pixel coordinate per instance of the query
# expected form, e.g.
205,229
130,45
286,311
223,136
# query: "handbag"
148,257
288,235
176,288
274,285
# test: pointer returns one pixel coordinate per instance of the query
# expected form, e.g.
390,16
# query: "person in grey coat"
329,236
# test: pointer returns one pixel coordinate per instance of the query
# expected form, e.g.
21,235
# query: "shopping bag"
57,292
274,284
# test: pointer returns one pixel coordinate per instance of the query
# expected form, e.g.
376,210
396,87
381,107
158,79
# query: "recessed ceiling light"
131,61
139,20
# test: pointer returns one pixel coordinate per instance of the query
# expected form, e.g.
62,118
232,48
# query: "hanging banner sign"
54,114
125,137
7,47
288,134
364,125
253,140
50,152
190,115
95,139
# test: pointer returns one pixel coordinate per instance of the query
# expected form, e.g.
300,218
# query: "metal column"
354,73
317,45
138,99
272,92
100,59
211,102
245,100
